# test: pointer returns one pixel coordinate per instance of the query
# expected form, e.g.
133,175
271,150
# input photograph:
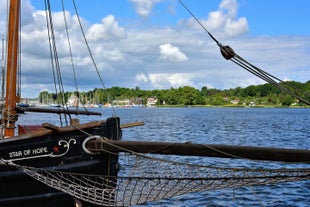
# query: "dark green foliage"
264,94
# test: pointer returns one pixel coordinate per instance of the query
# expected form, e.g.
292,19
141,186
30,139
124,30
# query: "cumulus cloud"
144,7
166,80
171,53
154,57
107,30
114,55
27,11
108,54
224,22
141,78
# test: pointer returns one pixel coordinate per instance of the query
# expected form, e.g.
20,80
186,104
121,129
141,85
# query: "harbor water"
264,127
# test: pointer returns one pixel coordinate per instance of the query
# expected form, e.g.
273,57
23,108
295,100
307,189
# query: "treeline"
264,94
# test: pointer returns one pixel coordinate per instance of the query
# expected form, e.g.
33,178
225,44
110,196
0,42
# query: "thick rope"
229,54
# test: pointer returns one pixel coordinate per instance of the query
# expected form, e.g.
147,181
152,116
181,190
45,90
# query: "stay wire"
54,56
19,72
267,74
89,50
71,59
268,78
197,20
229,54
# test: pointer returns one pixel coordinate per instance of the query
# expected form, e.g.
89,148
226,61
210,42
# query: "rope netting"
143,179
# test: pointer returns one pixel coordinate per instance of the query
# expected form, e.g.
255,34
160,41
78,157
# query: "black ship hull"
57,151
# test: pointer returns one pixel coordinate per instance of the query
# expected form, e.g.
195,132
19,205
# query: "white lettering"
40,150
27,152
15,154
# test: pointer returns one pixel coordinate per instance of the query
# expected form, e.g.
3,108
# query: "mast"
10,115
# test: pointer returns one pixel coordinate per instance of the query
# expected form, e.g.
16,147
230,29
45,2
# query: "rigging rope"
229,54
19,72
54,57
56,69
71,59
143,178
90,53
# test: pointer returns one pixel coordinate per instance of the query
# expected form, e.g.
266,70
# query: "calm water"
287,128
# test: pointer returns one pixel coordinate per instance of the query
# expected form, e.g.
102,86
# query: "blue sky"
156,44
276,17
265,17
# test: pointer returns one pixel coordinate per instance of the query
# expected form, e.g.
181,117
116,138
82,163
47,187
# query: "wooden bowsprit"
210,150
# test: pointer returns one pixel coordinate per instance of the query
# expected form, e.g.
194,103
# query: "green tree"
44,97
287,100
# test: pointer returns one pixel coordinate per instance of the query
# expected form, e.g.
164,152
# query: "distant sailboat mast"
10,116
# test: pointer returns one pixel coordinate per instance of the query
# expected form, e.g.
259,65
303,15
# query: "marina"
89,156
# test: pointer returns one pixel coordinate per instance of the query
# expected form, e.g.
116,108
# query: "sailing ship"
44,146
78,164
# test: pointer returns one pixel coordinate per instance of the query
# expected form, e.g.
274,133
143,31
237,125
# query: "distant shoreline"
227,106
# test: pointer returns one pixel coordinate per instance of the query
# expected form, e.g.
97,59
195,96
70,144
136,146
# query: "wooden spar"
134,124
58,111
210,150
10,116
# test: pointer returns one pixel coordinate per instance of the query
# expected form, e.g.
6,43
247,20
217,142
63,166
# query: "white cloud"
166,80
224,22
109,54
231,6
171,53
107,30
141,78
128,56
144,7
27,10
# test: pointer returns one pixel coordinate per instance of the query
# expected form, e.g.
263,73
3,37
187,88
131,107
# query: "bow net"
144,178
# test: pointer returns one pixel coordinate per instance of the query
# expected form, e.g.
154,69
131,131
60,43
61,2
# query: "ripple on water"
233,126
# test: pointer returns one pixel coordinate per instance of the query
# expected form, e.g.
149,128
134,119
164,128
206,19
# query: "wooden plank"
210,150
134,124
50,128
58,111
